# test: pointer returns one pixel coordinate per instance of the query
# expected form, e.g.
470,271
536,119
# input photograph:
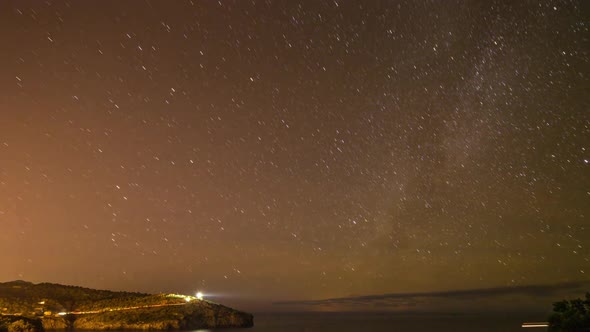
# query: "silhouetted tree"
571,316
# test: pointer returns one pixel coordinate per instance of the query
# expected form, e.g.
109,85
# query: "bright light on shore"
199,295
536,324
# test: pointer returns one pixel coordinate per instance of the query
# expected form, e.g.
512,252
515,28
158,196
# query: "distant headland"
28,307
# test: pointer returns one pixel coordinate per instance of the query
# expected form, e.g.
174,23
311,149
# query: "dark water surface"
357,322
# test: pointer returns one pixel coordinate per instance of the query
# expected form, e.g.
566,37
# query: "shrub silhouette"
571,316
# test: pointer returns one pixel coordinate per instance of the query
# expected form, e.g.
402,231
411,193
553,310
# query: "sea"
361,322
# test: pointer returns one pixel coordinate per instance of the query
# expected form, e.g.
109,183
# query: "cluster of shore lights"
198,296
188,298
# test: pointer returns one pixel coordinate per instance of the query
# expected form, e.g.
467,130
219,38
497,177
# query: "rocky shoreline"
187,317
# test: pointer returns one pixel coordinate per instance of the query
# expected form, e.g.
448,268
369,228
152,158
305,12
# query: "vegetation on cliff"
53,306
571,316
20,324
197,314
26,299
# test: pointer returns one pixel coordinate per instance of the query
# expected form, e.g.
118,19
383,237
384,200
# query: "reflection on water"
355,322
361,322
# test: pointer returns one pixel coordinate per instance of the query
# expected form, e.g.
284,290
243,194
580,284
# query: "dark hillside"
28,307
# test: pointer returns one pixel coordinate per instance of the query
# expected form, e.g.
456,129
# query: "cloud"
543,294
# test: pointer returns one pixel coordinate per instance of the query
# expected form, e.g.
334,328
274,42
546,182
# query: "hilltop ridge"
54,306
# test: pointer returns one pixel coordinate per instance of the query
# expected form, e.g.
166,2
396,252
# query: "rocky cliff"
20,324
200,314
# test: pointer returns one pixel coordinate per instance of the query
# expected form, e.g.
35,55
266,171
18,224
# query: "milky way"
285,150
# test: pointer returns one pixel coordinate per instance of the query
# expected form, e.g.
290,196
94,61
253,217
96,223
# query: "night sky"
264,151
